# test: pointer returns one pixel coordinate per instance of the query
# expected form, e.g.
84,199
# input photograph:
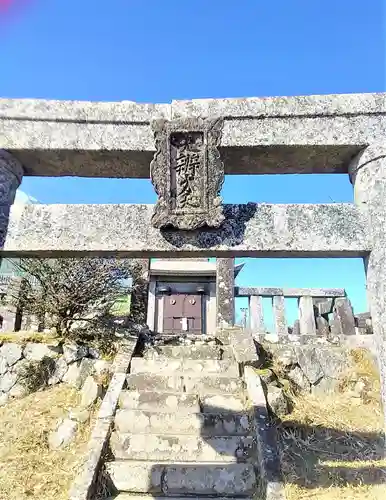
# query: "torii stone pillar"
225,292
11,174
368,175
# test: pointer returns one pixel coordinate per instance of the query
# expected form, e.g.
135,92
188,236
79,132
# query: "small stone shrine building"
182,295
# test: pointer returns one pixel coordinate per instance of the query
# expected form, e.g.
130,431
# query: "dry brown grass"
22,337
332,446
28,468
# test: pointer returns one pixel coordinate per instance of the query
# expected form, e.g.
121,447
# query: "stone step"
138,496
182,448
223,403
228,479
201,385
185,367
152,382
213,385
192,352
160,401
204,424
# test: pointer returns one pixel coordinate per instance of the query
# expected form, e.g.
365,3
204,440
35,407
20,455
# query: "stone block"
63,435
3,365
3,398
297,377
11,353
91,391
175,479
18,391
277,400
189,352
152,382
308,358
181,448
324,306
344,317
36,352
204,424
322,326
80,415
244,348
78,372
160,366
160,401
59,372
285,356
213,385
74,352
223,403
7,381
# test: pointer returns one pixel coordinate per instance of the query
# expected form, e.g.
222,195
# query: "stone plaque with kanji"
187,173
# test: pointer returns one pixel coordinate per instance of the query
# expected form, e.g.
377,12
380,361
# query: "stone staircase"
183,428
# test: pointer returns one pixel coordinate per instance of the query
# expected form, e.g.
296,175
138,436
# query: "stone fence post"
368,176
11,174
225,292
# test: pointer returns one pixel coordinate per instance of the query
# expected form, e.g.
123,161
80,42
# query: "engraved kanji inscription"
187,173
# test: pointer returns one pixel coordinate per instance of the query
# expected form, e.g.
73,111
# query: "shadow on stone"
230,233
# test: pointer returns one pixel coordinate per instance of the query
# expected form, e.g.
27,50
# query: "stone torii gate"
186,147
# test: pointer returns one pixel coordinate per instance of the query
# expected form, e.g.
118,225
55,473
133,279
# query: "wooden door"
182,313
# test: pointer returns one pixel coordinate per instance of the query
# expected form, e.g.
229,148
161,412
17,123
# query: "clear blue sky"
156,51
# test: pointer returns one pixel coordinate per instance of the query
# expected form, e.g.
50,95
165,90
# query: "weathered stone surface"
309,360
4,396
251,230
296,327
101,366
256,313
181,448
74,352
213,385
224,403
36,352
344,317
80,415
7,381
324,306
160,401
18,391
187,173
190,352
230,479
114,139
11,353
225,286
334,361
270,475
279,316
59,372
3,365
322,326
306,316
216,423
78,372
63,435
91,391
152,382
184,367
244,348
277,400
286,355
297,376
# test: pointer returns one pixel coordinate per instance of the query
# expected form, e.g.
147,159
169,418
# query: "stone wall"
30,366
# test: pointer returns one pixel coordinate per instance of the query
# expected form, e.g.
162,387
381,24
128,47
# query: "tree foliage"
69,291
